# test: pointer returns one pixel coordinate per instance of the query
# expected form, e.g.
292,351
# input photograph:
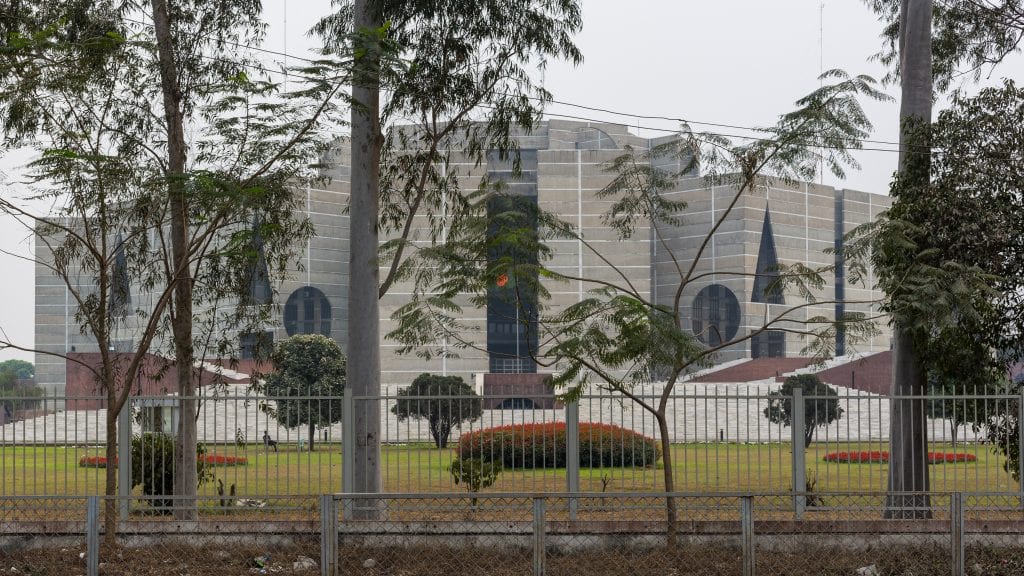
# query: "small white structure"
159,414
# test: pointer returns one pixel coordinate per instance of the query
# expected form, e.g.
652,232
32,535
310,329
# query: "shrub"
153,467
543,446
475,474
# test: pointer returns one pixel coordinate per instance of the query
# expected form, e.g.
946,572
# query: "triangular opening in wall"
766,288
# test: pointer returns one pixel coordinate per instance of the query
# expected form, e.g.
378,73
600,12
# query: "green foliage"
1002,431
966,34
821,404
474,473
307,382
528,446
22,369
949,254
480,55
14,397
153,468
445,402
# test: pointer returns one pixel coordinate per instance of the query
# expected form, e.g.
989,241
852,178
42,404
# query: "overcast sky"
737,62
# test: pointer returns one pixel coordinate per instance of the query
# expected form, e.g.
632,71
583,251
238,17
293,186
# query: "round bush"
543,446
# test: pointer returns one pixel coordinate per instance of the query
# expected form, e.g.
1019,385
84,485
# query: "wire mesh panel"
438,534
991,537
223,540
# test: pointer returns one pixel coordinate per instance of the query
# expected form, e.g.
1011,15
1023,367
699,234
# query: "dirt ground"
177,560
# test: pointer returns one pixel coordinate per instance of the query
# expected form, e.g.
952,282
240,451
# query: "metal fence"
722,440
523,533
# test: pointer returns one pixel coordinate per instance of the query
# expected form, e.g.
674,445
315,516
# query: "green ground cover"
712,467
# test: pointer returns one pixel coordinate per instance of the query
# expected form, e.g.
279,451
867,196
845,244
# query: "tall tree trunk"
312,435
672,516
908,439
363,343
185,479
110,507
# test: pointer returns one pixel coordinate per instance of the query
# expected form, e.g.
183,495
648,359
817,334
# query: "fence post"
348,451
92,536
1020,445
572,454
538,537
956,532
328,535
747,530
124,460
799,464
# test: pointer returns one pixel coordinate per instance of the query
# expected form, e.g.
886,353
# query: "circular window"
307,311
716,315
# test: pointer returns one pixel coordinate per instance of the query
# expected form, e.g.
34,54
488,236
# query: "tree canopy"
820,405
445,402
307,382
22,369
969,36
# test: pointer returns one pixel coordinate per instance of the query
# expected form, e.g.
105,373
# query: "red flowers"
208,459
881,457
93,461
221,460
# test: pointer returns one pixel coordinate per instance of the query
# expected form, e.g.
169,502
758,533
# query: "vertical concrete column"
539,540
799,464
747,533
92,536
124,460
572,454
328,535
348,451
956,532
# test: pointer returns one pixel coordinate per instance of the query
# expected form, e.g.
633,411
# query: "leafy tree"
464,60
311,368
14,397
616,337
968,36
81,83
449,402
934,254
950,254
22,369
821,404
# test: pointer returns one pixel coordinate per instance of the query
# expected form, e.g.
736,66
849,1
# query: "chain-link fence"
520,533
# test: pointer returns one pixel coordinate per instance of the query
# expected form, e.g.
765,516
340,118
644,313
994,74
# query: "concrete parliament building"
563,168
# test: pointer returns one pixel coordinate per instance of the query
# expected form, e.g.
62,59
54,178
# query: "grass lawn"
713,467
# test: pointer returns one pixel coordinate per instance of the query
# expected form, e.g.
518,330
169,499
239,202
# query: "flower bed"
882,457
93,462
222,460
209,459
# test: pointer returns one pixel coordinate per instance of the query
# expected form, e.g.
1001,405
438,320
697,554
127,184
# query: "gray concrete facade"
570,161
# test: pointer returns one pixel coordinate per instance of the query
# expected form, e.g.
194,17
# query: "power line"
560,102
681,120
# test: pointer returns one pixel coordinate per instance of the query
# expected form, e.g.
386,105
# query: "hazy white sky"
737,62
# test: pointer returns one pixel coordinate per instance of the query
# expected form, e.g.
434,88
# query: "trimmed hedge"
543,446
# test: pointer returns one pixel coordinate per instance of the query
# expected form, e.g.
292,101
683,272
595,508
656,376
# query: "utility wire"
562,103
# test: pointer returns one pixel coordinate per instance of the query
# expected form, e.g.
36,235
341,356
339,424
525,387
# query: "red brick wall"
158,377
871,374
536,387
